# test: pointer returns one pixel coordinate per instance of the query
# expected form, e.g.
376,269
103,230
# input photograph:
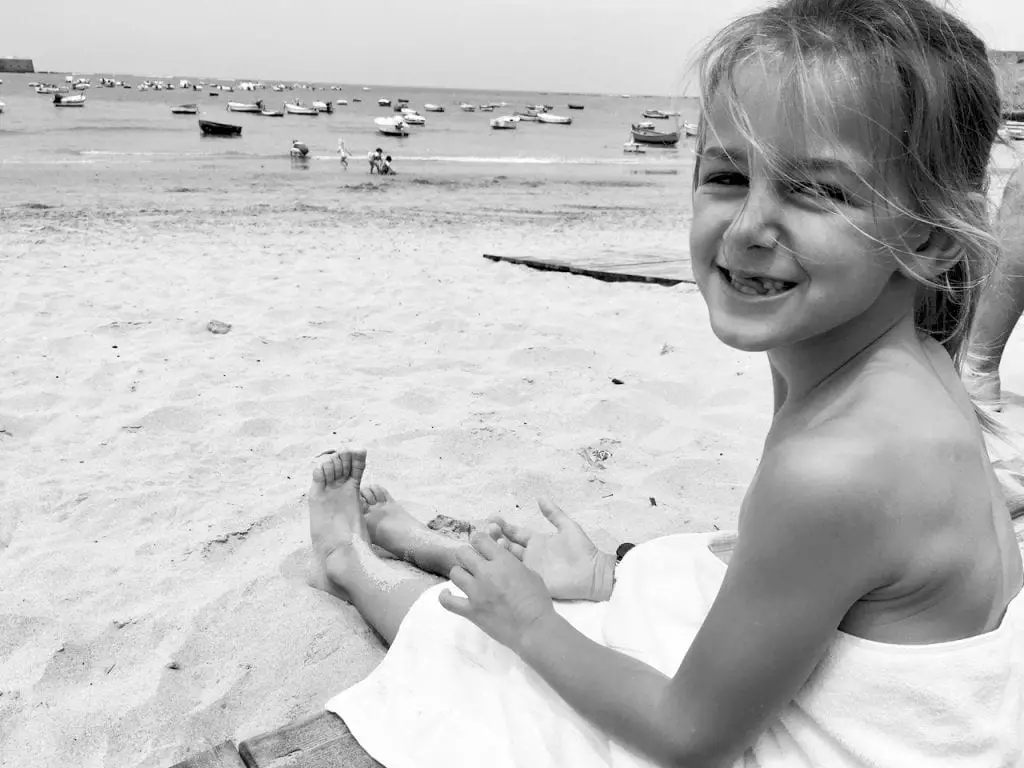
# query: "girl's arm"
808,549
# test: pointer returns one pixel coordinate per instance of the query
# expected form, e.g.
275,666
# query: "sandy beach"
153,529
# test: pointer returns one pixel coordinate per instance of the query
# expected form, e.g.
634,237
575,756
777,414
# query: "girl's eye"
816,189
726,178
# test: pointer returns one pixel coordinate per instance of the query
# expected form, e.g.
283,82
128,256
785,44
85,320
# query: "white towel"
447,696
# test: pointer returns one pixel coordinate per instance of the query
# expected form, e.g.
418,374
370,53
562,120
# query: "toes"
358,465
318,475
345,466
375,494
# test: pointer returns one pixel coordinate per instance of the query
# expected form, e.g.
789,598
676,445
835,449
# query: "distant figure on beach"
868,611
1002,301
343,153
386,168
376,158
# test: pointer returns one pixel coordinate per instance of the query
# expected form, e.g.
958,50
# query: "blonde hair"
929,76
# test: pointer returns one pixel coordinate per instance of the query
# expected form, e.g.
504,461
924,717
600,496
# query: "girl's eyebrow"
803,164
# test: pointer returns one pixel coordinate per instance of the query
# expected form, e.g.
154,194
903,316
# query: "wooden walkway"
666,268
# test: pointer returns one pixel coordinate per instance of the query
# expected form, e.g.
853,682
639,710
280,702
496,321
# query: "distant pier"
16,65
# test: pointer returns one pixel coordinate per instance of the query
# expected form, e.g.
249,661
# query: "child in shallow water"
869,613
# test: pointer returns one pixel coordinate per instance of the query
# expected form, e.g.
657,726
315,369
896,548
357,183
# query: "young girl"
869,612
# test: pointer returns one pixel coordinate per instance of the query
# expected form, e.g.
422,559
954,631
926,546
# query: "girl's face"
789,251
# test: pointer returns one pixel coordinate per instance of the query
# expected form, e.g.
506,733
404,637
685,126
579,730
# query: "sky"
575,46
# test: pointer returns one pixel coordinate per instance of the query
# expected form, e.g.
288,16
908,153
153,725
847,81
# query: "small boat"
272,113
504,123
355,99
413,118
531,116
403,101
212,93
633,147
46,90
342,102
467,107
486,108
383,102
210,128
391,126
185,109
240,106
545,117
433,108
2,105
324,106
299,109
642,134
64,100
690,129
656,114
575,105
1014,130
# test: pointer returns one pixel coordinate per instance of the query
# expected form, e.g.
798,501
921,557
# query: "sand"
153,531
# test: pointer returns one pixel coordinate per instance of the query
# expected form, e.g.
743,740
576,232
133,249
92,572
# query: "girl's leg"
382,591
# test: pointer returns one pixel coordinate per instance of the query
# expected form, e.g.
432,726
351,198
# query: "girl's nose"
756,224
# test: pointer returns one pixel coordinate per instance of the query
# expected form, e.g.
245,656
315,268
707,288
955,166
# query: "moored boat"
2,105
240,106
342,102
632,147
324,106
504,123
531,116
575,105
300,109
690,129
1014,130
412,117
547,117
65,100
391,126
467,107
46,89
185,109
656,114
433,108
272,113
211,128
642,134
383,102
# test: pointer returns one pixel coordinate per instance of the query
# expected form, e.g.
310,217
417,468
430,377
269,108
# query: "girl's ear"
936,254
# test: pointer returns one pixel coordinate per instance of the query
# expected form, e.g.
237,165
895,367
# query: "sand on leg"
382,591
393,529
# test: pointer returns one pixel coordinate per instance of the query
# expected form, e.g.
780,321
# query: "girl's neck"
800,369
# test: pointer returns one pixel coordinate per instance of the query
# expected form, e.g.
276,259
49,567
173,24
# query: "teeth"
757,286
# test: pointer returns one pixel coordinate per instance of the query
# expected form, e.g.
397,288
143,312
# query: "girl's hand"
503,597
571,566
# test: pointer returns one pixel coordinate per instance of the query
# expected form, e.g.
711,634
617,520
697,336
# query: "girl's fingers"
461,578
514,533
468,558
457,605
516,549
485,545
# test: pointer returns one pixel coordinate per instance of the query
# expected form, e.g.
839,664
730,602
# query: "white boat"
383,102
185,109
433,108
272,113
391,126
45,90
64,100
323,106
299,109
632,146
1014,131
547,117
412,117
240,106
342,102
504,123
690,129
531,116
467,107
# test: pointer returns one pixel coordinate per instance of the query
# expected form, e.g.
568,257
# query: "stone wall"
16,65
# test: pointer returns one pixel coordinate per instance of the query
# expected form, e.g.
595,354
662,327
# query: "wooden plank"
222,756
321,740
643,270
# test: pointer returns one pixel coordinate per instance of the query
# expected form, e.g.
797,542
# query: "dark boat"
210,128
656,114
644,135
1014,115
575,106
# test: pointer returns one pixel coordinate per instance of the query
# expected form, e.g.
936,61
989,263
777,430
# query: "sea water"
132,127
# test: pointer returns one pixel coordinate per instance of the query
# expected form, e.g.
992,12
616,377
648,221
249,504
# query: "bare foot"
336,525
390,526
985,387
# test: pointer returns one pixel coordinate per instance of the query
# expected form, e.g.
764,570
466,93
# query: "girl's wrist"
604,576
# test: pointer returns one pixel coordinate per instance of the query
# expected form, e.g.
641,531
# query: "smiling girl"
869,613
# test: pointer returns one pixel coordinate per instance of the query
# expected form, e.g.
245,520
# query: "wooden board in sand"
665,268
